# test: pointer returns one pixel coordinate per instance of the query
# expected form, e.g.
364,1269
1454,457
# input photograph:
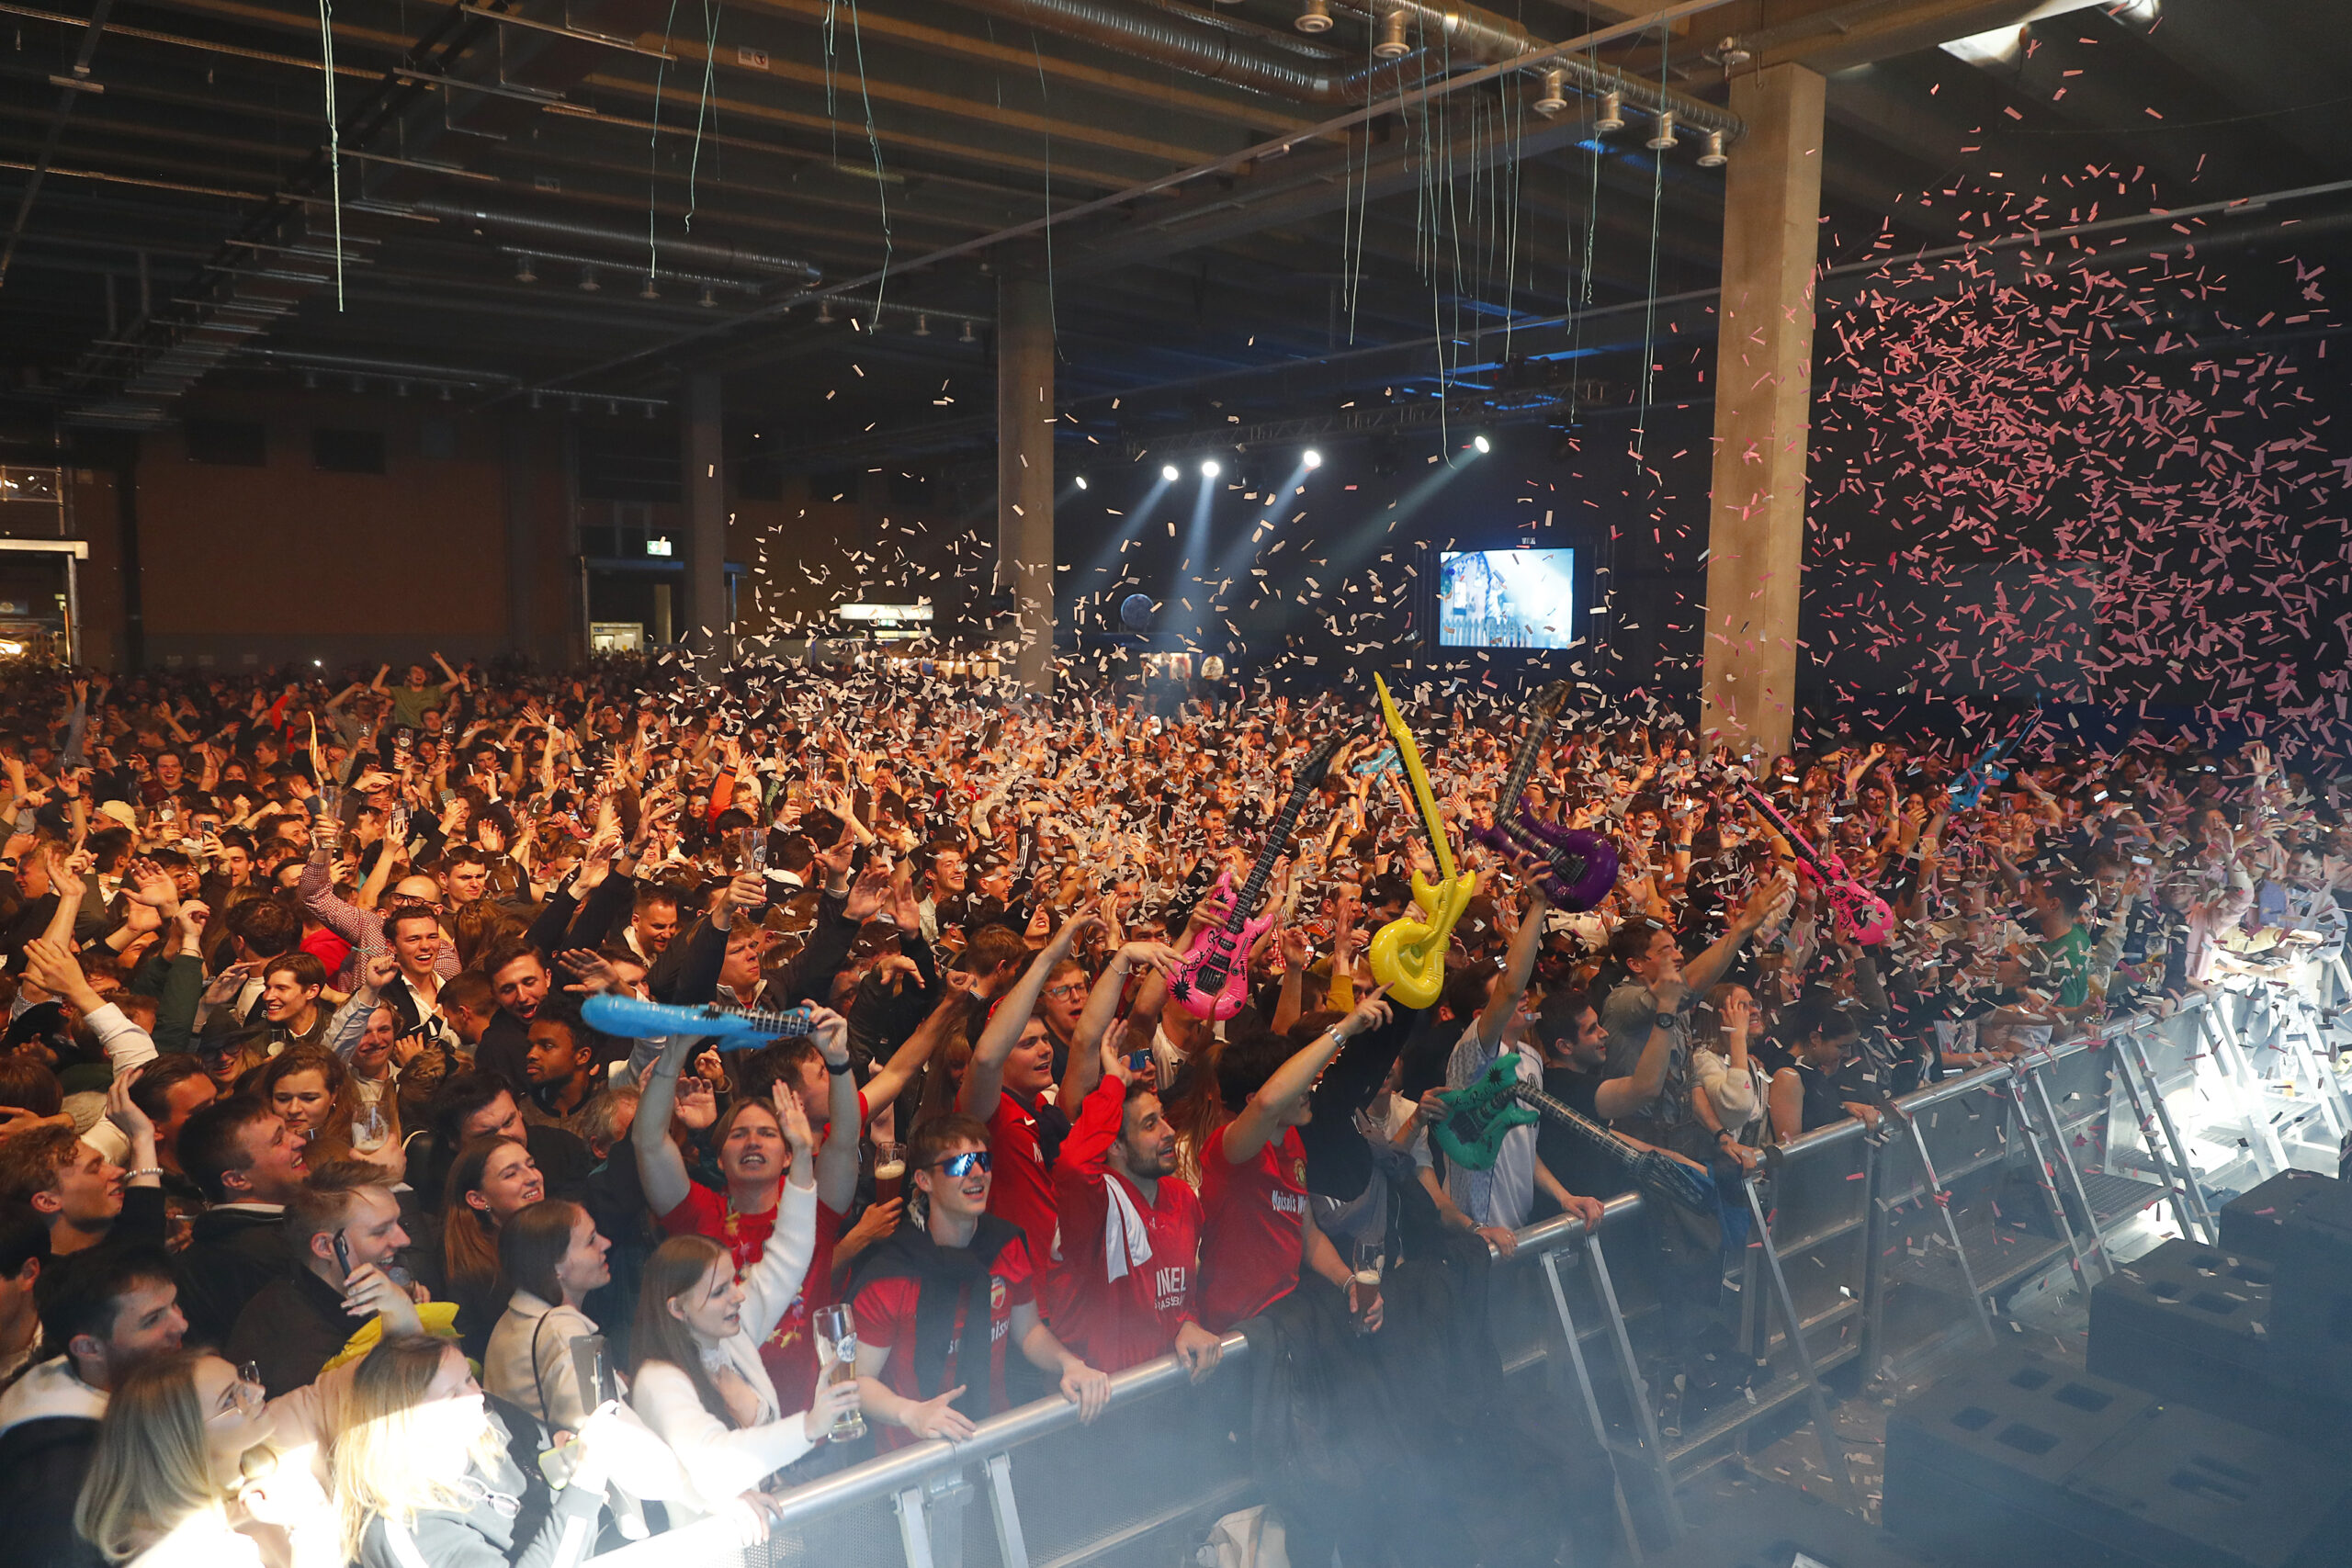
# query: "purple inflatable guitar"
1581,866
1215,980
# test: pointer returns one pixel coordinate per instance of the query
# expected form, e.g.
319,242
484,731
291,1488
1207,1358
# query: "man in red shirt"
1131,1231
1256,1227
923,1293
754,1158
1011,1067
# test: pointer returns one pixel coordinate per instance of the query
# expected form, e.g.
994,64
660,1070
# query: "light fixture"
612,408
709,296
400,388
588,284
1664,141
535,397
311,380
1481,443
824,312
444,392
1081,480
1169,472
1713,158
1314,16
1313,459
922,326
970,335
1732,55
357,385
1613,113
648,291
1388,39
648,411
1554,97
1209,469
523,273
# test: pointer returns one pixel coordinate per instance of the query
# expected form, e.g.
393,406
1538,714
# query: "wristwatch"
1667,1020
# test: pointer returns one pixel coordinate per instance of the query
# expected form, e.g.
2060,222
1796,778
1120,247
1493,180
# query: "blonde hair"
151,1471
388,1464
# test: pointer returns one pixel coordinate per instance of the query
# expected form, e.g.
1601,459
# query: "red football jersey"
1020,1188
790,1353
885,1310
1254,1228
1113,1324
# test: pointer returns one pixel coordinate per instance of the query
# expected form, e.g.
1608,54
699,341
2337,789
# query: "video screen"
1506,598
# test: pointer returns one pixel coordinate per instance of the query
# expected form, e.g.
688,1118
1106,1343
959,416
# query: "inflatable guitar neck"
1580,867
1862,915
1968,788
735,1028
1216,975
1407,954
1472,1135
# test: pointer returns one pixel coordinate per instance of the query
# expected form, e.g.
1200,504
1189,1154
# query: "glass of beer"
889,1169
1368,1259
836,1332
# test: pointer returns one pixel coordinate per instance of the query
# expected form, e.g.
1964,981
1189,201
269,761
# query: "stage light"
1169,472
1481,443
1082,481
1613,113
1209,469
1313,459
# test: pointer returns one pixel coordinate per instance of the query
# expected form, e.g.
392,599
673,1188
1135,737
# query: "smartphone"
343,1254
1139,1062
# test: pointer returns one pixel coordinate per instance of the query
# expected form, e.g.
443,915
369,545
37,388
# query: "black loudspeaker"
1977,1465
2253,1222
2190,1324
2311,1321
2190,1490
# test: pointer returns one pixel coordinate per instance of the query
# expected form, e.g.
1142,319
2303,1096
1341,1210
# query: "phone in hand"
343,1254
1139,1062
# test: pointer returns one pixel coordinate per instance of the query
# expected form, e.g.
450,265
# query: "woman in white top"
697,1379
1729,1090
167,1485
550,1255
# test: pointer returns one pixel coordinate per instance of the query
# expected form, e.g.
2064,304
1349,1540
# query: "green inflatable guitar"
1479,1116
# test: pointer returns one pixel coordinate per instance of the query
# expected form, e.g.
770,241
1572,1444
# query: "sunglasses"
959,1167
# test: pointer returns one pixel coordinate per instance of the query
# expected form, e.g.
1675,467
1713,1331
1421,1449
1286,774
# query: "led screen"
1506,598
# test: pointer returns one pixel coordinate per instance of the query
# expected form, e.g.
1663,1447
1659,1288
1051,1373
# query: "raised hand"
590,968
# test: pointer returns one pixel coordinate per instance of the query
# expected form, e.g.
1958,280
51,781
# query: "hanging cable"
334,139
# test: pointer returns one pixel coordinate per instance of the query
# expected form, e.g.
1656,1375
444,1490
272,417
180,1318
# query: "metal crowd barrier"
1887,1247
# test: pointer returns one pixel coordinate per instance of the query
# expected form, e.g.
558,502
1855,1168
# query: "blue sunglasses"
959,1167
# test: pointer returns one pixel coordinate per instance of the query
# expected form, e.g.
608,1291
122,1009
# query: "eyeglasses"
1066,989
959,1167
246,1396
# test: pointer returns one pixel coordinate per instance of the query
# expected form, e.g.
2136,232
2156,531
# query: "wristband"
1722,1132
843,1070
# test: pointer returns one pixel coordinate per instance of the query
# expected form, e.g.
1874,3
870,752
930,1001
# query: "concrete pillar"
1763,397
1024,465
706,628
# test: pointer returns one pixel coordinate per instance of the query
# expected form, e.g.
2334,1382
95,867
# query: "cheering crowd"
334,1230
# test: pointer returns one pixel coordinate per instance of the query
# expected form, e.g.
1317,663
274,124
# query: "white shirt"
720,1463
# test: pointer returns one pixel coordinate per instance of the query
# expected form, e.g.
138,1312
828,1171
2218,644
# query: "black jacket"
231,1256
292,1329
42,1462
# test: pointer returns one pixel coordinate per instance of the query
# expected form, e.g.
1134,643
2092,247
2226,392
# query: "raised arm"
1262,1120
1519,967
1708,967
661,1169
984,1079
1102,1010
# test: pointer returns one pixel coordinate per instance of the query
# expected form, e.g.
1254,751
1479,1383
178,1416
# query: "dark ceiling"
592,198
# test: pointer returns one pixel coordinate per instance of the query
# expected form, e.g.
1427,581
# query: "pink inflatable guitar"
1862,915
1215,980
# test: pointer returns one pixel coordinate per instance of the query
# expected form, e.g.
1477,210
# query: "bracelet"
1684,848
150,1170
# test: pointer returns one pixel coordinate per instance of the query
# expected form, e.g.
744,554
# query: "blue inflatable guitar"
734,1029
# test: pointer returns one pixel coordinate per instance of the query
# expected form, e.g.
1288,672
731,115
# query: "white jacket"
50,1388
721,1462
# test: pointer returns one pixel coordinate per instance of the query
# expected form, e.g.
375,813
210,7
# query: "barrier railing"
1886,1247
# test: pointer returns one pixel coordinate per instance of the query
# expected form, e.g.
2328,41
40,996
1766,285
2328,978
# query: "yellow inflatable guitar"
1409,954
